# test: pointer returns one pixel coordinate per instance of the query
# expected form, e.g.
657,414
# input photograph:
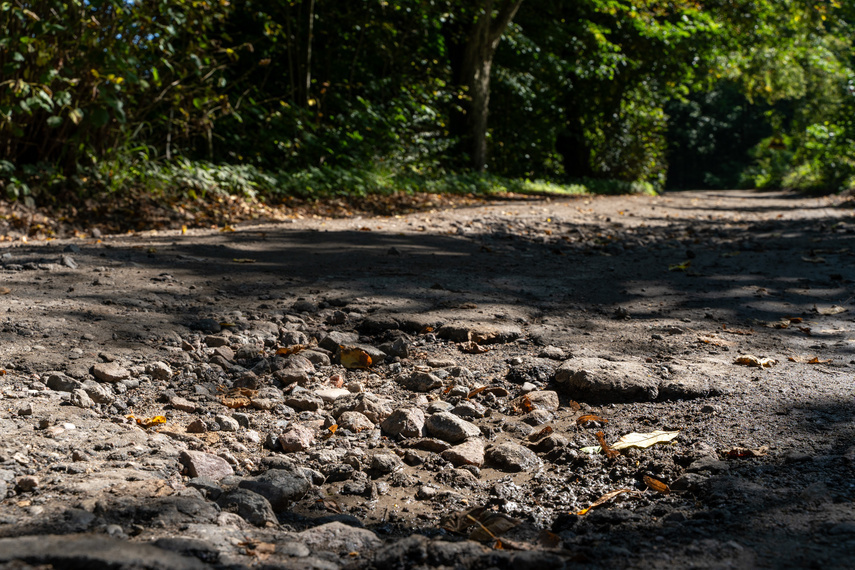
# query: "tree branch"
503,19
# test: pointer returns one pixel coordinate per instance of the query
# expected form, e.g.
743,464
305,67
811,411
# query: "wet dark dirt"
655,297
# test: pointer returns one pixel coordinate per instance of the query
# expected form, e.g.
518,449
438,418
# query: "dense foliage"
317,96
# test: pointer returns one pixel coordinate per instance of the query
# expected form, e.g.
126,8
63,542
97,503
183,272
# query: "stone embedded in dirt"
538,417
81,399
207,325
406,422
538,400
288,376
386,462
225,353
480,332
304,401
28,483
334,339
254,508
365,403
441,362
534,370
100,393
420,382
448,427
110,372
62,383
197,426
552,352
182,404
469,410
512,457
470,452
159,370
200,464
279,486
226,423
339,538
331,394
605,381
296,438
316,357
214,341
355,422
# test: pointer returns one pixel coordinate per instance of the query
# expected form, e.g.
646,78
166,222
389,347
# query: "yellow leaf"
149,422
354,357
183,230
749,360
680,266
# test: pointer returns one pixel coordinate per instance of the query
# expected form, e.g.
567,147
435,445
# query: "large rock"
538,400
420,382
200,464
407,422
365,403
470,452
296,438
279,486
480,332
448,427
340,538
605,381
110,372
251,506
512,457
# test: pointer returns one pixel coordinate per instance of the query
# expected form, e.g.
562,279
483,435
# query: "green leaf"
76,115
99,117
54,121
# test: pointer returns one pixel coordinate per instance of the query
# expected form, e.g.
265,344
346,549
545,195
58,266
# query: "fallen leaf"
794,320
744,452
680,266
644,440
472,347
814,259
805,330
235,403
808,360
333,428
426,330
286,351
588,418
749,360
736,331
227,228
150,422
657,485
523,406
243,260
574,405
352,357
591,450
832,310
5,290
608,450
475,392
605,499
541,434
715,341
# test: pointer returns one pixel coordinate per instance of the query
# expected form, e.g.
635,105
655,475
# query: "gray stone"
355,422
226,423
406,422
110,372
331,394
604,381
296,438
81,399
305,401
538,400
386,463
470,452
480,332
512,457
62,383
279,486
340,538
253,507
182,404
420,382
317,357
365,403
100,393
200,464
335,339
159,370
450,428
92,551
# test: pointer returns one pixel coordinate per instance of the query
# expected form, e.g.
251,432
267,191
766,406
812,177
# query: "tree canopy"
114,94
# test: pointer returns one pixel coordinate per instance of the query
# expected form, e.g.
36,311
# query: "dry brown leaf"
286,351
352,357
235,403
601,439
832,310
744,452
749,360
605,499
5,290
737,331
475,392
574,405
805,330
656,485
588,418
541,434
808,360
472,347
426,330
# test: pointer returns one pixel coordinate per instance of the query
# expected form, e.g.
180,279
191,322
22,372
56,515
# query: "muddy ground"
178,400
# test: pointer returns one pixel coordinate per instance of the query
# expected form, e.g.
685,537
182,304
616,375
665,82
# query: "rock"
159,370
386,463
226,423
536,370
331,394
470,452
317,357
420,382
450,428
182,404
296,438
253,507
420,551
197,426
552,352
207,325
27,483
604,381
538,400
214,341
91,551
81,399
340,538
335,339
109,372
279,486
200,464
62,383
480,332
355,422
406,422
512,457
100,393
305,401
365,403
225,352
538,417
209,487
467,409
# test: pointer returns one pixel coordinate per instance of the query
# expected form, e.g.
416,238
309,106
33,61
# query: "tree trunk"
481,44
